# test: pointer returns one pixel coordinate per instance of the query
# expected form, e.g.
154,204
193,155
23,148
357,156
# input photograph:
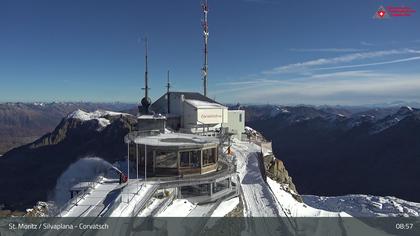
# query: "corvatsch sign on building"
211,116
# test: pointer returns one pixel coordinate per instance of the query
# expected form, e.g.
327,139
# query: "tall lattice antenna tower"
205,25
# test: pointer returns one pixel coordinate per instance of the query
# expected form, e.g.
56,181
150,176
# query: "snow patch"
132,195
250,130
360,205
284,110
409,108
225,207
293,208
178,208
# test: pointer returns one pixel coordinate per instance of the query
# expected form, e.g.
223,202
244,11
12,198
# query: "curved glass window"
209,156
190,159
166,159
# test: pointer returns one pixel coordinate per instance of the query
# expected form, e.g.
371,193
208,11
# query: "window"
209,156
184,159
195,159
190,159
240,117
213,155
166,159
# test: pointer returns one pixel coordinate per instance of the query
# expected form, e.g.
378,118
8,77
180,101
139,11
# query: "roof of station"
179,140
203,104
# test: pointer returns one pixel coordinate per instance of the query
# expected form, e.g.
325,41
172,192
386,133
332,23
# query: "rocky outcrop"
29,173
276,171
41,209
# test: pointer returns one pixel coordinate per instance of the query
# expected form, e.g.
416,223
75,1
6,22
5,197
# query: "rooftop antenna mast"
146,78
168,83
206,36
146,102
168,86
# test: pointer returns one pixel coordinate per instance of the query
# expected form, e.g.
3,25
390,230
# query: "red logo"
392,11
381,13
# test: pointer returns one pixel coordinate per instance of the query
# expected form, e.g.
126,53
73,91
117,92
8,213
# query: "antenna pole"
145,102
206,36
146,79
168,84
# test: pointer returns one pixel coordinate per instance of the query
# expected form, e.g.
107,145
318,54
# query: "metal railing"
78,197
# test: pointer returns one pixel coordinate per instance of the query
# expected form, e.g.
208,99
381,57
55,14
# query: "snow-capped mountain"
355,152
394,119
22,123
79,134
101,116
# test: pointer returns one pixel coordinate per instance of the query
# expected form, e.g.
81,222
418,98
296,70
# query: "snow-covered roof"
175,140
203,104
151,117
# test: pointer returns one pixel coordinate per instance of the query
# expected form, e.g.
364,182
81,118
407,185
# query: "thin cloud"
248,82
336,60
326,50
364,43
349,74
371,64
352,91
303,79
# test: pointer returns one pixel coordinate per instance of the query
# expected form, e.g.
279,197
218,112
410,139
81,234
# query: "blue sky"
260,51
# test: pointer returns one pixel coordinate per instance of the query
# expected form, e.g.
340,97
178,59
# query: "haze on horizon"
260,51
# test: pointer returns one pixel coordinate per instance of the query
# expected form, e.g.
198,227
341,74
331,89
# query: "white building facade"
194,113
236,123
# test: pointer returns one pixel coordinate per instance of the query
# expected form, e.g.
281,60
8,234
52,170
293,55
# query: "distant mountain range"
22,123
342,150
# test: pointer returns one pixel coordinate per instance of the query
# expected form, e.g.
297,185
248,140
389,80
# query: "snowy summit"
99,115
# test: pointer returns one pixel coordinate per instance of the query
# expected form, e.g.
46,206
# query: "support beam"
137,161
145,162
128,162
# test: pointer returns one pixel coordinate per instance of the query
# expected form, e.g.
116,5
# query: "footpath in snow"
259,200
279,212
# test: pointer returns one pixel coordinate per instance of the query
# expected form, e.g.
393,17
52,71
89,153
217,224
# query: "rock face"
276,171
29,173
41,209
